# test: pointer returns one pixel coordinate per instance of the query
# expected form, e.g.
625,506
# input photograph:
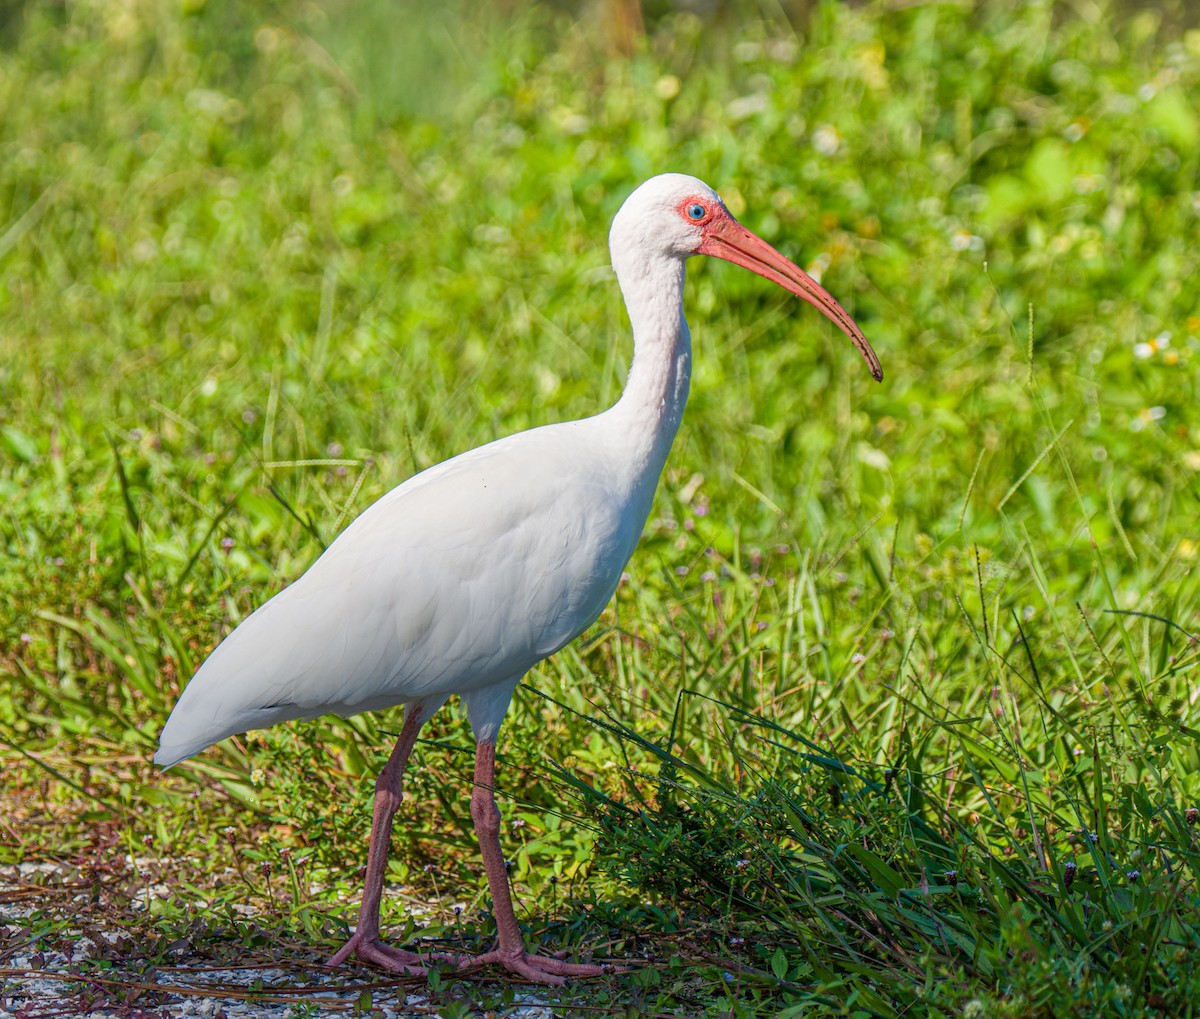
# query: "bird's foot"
374,952
538,968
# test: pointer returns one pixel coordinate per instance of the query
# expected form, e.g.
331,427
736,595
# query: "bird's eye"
695,211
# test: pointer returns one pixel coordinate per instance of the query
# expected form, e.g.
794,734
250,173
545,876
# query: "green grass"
897,710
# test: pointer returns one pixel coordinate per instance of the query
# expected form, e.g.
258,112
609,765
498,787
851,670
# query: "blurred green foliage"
260,264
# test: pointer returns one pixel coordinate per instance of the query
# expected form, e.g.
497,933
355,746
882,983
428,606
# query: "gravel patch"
81,977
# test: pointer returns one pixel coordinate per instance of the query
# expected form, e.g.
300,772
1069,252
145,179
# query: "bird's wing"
463,577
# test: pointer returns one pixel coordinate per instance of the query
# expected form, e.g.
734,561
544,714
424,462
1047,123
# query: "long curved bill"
726,238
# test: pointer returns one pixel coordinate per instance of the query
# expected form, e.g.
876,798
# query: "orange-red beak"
725,237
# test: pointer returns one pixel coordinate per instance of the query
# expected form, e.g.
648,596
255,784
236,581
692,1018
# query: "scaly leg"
510,951
365,941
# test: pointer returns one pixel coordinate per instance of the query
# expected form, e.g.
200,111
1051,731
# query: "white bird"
468,574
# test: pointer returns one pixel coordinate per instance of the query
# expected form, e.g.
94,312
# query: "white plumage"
460,579
465,576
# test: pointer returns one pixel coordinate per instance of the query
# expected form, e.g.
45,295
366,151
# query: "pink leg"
510,951
365,941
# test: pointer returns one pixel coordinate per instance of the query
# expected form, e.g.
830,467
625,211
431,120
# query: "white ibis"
470,573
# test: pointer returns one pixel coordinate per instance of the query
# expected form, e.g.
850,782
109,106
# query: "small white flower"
964,240
572,122
827,140
1149,348
783,50
817,267
747,106
1147,416
667,87
144,250
746,51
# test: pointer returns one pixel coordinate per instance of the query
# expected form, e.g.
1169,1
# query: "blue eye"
695,210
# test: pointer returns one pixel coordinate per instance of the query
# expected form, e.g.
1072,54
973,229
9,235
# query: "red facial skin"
724,237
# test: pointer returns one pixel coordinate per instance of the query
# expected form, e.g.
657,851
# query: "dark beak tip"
877,374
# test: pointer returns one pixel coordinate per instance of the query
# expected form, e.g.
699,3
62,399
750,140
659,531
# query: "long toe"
375,953
538,968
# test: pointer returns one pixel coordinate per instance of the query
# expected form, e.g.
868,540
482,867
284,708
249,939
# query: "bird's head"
677,216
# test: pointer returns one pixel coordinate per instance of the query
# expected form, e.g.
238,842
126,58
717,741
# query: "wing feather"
461,578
